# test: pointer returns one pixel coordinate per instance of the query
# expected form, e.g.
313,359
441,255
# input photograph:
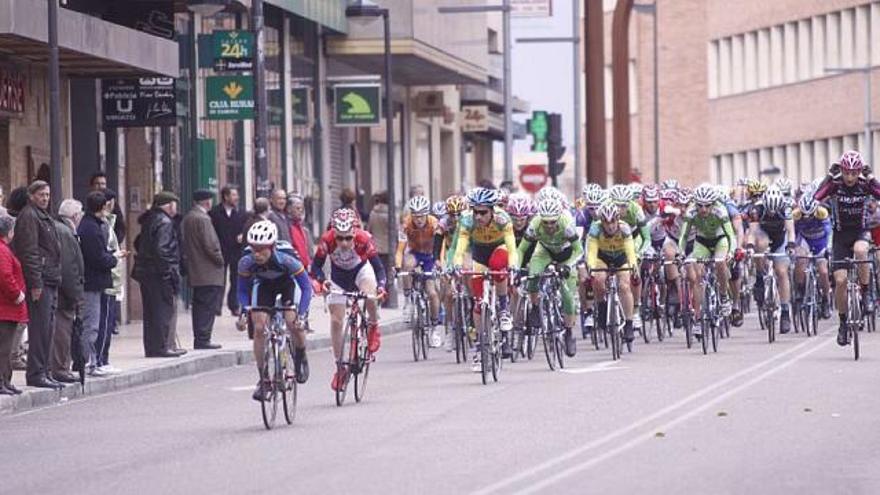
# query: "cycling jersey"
415,239
444,238
346,263
258,284
561,244
615,248
709,228
771,222
635,218
814,230
655,225
848,203
482,240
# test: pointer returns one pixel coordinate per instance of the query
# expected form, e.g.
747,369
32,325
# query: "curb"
33,398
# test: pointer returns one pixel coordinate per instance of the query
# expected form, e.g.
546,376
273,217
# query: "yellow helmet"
756,188
456,204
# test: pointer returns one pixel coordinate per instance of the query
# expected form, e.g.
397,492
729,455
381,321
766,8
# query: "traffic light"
537,127
555,150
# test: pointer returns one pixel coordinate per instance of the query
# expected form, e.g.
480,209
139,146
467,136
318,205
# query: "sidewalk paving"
127,354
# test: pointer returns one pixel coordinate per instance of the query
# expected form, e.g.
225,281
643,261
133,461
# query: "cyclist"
354,266
594,196
444,248
552,238
631,213
771,229
611,245
415,248
736,220
266,272
673,221
812,225
653,205
715,239
521,209
486,232
438,209
848,186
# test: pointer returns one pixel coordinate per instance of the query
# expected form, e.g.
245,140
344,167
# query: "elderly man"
157,268
70,293
299,235
278,214
205,268
228,221
38,248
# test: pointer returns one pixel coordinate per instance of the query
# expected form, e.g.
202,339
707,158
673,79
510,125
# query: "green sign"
538,128
229,97
276,107
208,165
233,50
299,106
357,104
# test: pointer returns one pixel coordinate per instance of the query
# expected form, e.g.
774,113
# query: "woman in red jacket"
13,309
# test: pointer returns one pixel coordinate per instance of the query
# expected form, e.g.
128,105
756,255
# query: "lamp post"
651,8
504,8
261,113
54,105
367,11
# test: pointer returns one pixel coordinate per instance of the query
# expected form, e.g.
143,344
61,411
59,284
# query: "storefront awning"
89,46
328,13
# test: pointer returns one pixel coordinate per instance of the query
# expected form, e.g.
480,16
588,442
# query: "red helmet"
851,160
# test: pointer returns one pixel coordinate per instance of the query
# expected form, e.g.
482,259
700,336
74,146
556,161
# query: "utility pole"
54,107
576,88
261,121
594,54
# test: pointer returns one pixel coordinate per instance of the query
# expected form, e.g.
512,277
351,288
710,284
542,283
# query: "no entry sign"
533,177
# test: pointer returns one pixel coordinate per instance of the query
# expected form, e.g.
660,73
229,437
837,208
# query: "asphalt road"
799,416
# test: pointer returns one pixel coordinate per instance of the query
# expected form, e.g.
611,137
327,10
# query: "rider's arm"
510,243
629,248
321,252
244,282
789,230
826,188
463,243
644,237
683,235
437,248
577,251
305,287
401,247
592,250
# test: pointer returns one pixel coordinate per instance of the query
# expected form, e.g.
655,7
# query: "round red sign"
533,177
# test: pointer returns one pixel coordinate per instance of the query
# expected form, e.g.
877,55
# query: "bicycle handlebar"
351,295
272,309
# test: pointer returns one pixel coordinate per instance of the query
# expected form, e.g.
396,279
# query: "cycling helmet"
705,194
520,205
456,204
580,203
439,209
784,185
419,205
608,212
262,233
619,194
503,198
635,190
595,198
550,209
773,199
684,196
808,204
590,187
756,188
547,192
482,196
671,184
651,193
851,160
668,194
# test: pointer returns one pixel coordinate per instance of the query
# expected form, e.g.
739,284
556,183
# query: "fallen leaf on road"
659,434
807,409
721,414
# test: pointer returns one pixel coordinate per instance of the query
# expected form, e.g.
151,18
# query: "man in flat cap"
204,267
157,268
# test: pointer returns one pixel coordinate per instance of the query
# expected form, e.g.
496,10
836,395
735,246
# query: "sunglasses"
481,213
550,223
344,238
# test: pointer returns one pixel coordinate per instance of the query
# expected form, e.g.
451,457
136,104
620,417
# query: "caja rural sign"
229,97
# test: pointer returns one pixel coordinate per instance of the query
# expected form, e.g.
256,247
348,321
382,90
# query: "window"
712,56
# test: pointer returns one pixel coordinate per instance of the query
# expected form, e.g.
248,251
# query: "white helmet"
595,197
419,205
705,194
585,192
550,209
439,209
619,193
263,233
773,199
609,212
784,185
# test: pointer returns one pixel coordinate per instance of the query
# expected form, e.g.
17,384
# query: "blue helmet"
482,196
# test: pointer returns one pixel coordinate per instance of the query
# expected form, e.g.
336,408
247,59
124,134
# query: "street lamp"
363,12
207,8
651,8
869,125
504,8
771,171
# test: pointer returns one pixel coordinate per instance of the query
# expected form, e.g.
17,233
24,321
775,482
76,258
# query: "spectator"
299,235
228,222
39,250
378,227
99,183
70,293
278,214
260,212
157,269
98,261
416,190
111,301
13,310
17,200
205,268
2,201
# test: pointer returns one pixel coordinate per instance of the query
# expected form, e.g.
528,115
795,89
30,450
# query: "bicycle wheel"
646,318
770,317
485,365
688,324
289,391
272,370
813,320
854,338
345,363
364,358
559,340
427,327
459,330
716,334
495,355
704,338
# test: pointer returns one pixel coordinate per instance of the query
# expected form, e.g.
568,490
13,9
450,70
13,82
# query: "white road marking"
721,384
596,368
240,389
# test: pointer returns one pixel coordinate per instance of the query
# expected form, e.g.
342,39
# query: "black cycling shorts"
269,290
843,241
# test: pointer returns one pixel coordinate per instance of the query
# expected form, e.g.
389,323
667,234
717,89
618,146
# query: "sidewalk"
127,354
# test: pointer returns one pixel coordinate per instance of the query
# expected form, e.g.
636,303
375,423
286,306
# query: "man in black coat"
228,221
37,246
157,268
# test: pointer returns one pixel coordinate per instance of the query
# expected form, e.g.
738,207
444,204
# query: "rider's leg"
599,296
860,252
259,320
337,314
626,295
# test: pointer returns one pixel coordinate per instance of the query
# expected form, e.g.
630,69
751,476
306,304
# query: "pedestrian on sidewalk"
278,214
300,237
98,261
17,200
38,248
259,213
157,269
205,268
70,293
99,183
112,298
13,310
228,221
378,227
